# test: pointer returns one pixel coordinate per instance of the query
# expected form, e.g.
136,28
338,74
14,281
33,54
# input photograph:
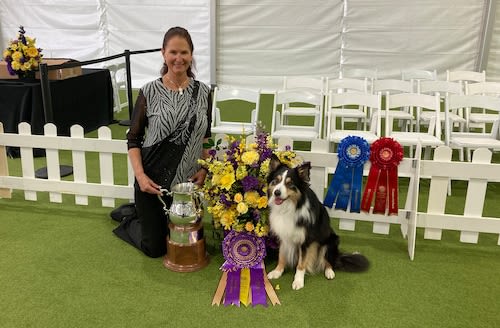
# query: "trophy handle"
165,192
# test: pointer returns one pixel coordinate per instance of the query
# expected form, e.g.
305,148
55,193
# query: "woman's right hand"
147,185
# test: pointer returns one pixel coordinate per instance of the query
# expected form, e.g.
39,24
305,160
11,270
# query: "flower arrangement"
236,186
22,55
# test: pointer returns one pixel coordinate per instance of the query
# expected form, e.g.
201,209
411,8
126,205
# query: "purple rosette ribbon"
244,250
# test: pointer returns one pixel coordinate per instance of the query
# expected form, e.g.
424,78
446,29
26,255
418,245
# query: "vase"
27,76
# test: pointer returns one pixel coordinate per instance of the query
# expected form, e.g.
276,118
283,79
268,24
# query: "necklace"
178,86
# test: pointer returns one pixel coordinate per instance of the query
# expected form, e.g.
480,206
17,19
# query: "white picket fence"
441,170
78,145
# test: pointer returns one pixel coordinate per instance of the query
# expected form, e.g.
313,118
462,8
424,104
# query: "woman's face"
177,55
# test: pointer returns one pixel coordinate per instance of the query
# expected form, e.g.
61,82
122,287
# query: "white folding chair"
336,104
118,74
416,75
444,88
350,85
431,103
465,141
360,73
486,89
465,78
395,86
311,84
249,112
313,108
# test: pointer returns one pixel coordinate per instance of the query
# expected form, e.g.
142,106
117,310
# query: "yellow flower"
238,198
264,168
13,46
242,208
16,65
6,53
250,157
249,226
17,55
227,180
262,202
251,197
241,172
32,52
227,219
27,66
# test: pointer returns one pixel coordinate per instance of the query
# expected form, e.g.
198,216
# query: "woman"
176,109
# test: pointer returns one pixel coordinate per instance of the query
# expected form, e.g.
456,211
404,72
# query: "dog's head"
285,183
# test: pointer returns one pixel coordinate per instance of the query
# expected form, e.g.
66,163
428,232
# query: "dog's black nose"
277,193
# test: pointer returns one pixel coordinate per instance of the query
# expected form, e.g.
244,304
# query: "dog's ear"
274,163
304,171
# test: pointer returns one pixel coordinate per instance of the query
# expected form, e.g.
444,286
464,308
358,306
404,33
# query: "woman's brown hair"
183,33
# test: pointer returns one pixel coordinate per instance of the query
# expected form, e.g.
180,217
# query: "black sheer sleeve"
208,133
135,135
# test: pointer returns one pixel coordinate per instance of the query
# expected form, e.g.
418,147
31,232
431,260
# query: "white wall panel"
90,29
261,41
392,35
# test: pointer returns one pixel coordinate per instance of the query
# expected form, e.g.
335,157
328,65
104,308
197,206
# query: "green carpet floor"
61,266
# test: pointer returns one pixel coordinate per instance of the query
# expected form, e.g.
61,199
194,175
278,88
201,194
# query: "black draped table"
86,100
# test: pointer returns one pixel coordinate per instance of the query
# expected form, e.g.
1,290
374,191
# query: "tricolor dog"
302,225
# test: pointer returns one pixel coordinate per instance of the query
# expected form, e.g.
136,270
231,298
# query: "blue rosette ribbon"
347,180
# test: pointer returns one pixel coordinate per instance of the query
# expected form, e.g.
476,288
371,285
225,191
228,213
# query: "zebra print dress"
162,113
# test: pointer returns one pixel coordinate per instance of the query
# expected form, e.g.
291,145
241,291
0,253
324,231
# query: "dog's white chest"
283,223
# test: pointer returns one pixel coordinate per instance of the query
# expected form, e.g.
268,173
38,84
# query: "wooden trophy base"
185,257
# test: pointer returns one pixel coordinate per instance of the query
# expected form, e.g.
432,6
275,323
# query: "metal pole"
487,32
64,170
129,89
46,96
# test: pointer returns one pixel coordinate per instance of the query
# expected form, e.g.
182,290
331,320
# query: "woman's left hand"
199,177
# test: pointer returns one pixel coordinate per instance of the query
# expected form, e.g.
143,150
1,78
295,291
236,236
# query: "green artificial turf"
61,266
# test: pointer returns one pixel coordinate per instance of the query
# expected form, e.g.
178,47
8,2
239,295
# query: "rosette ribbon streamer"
244,280
386,154
346,184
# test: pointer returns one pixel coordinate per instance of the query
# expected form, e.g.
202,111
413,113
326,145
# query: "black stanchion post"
46,96
129,89
64,170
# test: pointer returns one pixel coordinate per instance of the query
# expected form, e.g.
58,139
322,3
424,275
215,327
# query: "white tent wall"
394,35
86,29
258,42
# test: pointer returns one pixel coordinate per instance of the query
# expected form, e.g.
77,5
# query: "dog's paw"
298,284
275,274
329,273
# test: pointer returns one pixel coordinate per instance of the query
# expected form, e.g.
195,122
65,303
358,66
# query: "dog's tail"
350,262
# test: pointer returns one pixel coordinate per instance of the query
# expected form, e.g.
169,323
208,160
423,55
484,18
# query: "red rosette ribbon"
382,183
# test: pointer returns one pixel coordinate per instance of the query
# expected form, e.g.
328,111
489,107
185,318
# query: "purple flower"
265,154
256,215
225,201
212,152
250,183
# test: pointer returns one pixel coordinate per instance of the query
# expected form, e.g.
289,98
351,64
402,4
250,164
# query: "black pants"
147,230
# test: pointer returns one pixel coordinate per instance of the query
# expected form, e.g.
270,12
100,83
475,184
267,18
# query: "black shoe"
123,212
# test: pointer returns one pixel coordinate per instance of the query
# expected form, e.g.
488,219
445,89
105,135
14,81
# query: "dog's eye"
291,186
